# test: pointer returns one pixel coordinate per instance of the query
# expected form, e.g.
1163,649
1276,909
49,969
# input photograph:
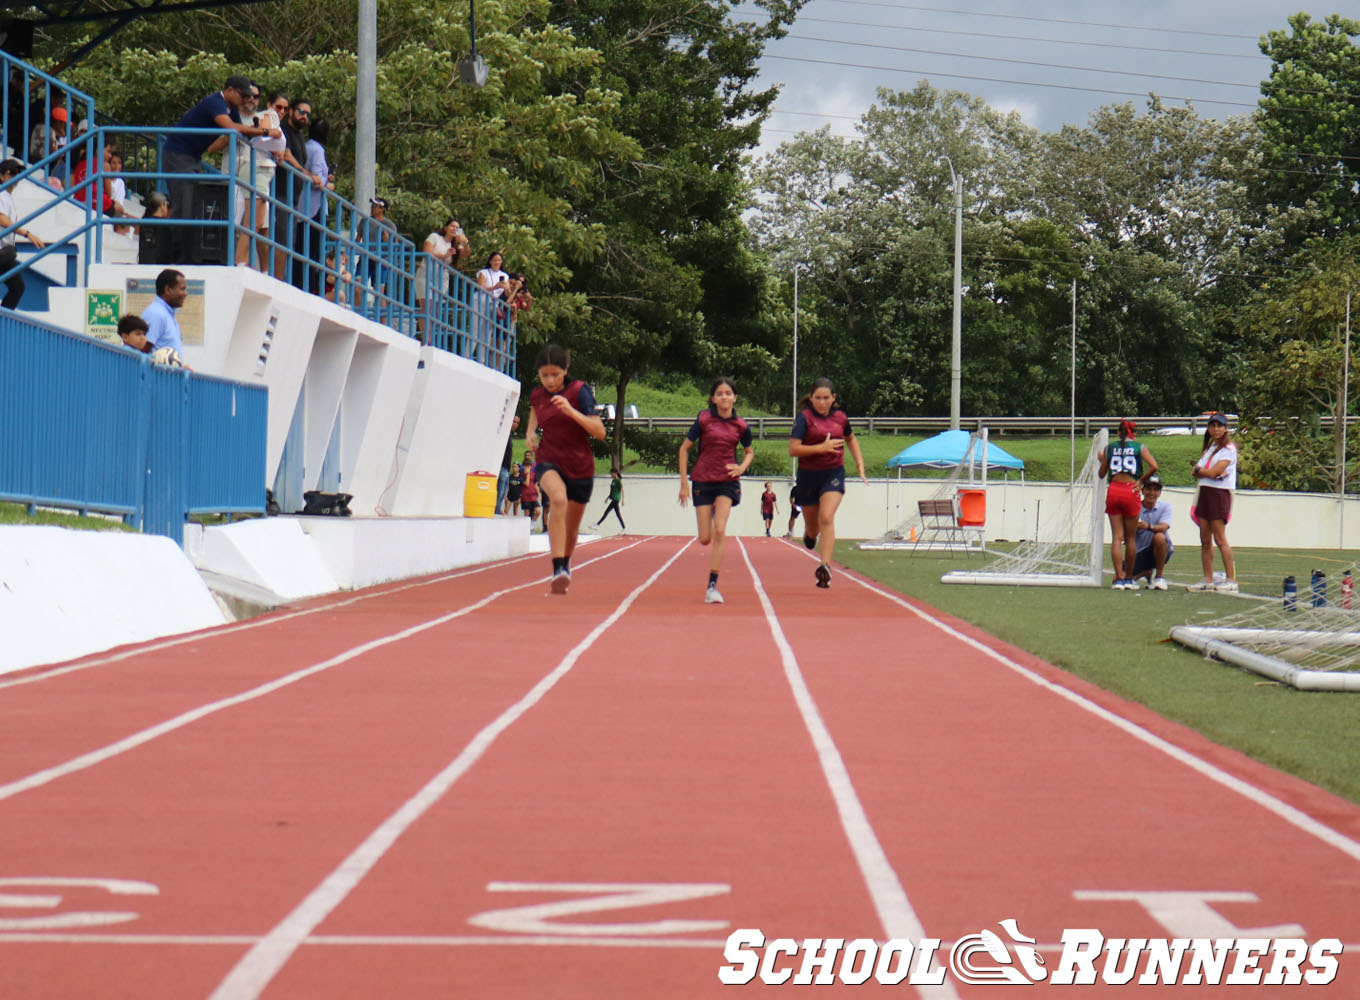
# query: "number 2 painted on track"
539,918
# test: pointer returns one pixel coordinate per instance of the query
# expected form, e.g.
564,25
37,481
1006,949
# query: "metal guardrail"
377,274
92,427
763,427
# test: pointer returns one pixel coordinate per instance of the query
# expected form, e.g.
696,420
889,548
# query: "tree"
506,159
1310,121
675,286
1298,377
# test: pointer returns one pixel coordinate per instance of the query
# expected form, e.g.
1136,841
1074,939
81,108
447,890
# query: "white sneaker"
1226,587
712,596
1158,584
1202,585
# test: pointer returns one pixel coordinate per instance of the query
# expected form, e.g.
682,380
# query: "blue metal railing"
340,254
94,427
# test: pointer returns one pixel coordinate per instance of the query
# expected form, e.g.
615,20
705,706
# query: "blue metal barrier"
94,427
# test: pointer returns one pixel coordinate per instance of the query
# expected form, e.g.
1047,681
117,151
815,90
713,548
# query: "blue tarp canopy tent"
946,450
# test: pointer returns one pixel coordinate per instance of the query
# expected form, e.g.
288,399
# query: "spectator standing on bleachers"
9,253
312,210
183,154
439,245
48,137
378,235
162,325
493,278
262,151
104,197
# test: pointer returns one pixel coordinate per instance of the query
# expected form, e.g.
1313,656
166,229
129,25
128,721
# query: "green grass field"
17,513
1313,735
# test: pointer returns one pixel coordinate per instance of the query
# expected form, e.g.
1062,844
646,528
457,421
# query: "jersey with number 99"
1124,456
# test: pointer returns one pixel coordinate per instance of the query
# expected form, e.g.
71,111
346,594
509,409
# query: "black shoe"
809,542
823,576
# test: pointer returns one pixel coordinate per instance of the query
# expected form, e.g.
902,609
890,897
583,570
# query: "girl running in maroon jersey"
561,423
821,430
717,473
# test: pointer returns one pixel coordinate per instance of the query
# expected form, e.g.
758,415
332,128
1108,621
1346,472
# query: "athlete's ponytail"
806,402
1126,429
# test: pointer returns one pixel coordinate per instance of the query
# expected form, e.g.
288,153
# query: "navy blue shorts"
812,483
705,493
578,490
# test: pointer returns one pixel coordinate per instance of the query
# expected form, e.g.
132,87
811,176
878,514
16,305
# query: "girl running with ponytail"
821,430
717,473
561,423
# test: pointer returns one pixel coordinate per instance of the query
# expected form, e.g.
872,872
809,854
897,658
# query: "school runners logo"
1002,968
988,958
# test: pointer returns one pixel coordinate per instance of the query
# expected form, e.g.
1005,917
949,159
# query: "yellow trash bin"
479,496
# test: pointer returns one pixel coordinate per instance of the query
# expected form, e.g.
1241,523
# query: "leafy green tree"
1298,377
674,285
1310,121
507,159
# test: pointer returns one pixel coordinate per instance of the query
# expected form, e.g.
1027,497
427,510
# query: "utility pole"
956,350
366,109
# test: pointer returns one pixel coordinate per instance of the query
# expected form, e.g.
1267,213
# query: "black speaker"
207,244
16,37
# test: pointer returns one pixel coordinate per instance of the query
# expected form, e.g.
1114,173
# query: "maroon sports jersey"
562,441
718,440
767,503
809,428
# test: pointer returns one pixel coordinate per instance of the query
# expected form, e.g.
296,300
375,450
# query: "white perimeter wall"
1260,518
412,422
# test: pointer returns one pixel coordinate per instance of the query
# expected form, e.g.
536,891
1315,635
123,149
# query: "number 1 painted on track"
539,918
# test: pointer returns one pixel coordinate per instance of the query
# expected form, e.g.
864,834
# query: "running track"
463,786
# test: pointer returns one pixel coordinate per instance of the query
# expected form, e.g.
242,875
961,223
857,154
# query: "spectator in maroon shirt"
717,473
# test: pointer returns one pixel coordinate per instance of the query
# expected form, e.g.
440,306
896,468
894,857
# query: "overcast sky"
1031,56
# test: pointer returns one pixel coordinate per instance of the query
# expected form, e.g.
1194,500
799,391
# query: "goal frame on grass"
1310,649
1068,549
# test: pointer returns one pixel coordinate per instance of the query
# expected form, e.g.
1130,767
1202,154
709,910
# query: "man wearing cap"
1154,536
183,154
48,138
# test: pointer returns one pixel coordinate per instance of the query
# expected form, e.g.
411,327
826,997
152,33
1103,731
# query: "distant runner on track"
561,423
821,430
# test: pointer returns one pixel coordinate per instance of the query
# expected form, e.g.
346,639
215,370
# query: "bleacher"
391,390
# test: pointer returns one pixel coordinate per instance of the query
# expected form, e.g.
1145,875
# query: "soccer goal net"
1309,648
916,530
1067,549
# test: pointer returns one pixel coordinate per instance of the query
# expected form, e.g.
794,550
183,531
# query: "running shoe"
713,596
1202,585
1158,584
1118,584
823,575
1226,587
809,542
561,581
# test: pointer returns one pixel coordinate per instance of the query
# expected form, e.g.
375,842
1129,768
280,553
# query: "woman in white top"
1216,471
439,245
268,149
492,278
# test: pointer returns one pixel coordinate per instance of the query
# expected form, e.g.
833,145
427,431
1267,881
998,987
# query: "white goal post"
1311,649
1068,548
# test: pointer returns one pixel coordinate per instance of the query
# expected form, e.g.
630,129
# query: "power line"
1026,62
1045,20
1122,46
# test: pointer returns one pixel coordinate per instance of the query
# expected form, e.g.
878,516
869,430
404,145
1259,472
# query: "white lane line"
88,760
895,911
369,940
202,635
1290,814
253,973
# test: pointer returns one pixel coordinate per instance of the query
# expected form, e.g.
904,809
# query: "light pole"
793,409
956,352
366,109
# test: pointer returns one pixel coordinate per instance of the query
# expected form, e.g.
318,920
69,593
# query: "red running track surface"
464,786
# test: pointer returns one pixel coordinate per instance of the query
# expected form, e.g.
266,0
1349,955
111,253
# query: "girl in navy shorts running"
717,473
821,430
561,423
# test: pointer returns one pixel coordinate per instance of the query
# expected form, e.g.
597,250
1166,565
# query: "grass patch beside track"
17,513
1115,639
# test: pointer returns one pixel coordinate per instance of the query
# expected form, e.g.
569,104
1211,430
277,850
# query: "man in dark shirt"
183,154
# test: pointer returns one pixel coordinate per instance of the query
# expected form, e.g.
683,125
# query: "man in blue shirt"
183,154
162,326
1154,535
